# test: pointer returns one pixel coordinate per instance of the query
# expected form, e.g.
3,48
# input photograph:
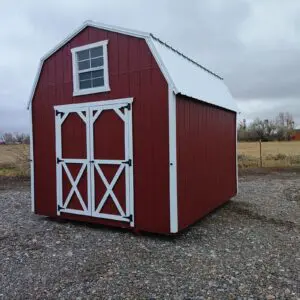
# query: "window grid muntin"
91,69
95,53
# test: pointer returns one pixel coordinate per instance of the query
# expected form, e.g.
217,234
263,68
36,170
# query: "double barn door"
94,167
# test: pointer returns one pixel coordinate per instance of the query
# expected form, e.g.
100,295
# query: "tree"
8,138
285,126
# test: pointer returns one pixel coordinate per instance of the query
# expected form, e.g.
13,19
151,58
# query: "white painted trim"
89,120
131,174
138,34
110,217
105,88
161,65
126,118
135,33
31,161
87,23
173,162
89,91
58,152
121,101
75,212
35,82
89,46
63,203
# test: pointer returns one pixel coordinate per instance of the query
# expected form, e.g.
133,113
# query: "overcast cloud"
253,44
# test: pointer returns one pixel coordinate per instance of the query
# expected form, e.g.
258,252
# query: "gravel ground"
247,249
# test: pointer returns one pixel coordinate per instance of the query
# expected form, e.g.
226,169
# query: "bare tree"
8,138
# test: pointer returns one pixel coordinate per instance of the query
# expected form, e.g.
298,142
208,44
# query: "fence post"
260,154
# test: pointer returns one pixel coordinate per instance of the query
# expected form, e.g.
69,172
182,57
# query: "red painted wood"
206,158
132,73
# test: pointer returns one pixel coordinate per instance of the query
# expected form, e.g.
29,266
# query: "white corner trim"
173,162
36,80
161,65
31,162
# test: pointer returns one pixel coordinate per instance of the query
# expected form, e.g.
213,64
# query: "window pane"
98,82
84,65
97,62
85,75
99,73
98,51
81,55
85,84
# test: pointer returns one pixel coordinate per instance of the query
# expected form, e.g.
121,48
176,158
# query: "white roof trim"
166,58
135,33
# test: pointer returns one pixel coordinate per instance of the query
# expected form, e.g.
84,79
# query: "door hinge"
59,208
58,160
59,113
128,106
128,162
129,218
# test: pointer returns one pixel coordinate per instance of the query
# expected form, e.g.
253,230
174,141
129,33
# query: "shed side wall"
206,158
133,72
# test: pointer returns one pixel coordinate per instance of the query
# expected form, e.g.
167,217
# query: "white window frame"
76,90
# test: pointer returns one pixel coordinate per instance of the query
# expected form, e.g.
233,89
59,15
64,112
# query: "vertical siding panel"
206,158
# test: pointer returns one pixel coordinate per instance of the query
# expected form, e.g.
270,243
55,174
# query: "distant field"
14,158
274,154
269,148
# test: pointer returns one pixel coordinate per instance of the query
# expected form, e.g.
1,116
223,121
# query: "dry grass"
269,148
14,160
274,154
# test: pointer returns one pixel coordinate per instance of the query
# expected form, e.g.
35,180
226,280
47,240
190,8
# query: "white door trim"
96,103
125,116
90,164
60,116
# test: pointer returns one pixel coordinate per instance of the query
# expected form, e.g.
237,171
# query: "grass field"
269,148
14,158
274,154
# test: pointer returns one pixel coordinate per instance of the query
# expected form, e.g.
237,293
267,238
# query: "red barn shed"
129,132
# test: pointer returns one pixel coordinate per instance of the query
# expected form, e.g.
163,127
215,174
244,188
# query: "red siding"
206,158
133,72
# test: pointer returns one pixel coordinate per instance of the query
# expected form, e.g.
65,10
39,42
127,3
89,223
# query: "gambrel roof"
184,75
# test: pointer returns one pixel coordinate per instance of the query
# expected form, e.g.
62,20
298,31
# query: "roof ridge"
184,56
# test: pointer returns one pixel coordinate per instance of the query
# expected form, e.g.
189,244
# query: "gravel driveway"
247,249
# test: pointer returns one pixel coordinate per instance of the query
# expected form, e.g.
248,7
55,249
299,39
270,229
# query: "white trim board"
31,163
182,74
95,103
173,163
76,72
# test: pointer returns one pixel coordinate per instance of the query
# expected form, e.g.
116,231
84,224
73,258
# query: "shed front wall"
133,72
206,158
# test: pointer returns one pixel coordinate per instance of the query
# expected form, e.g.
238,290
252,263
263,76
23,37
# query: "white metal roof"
184,75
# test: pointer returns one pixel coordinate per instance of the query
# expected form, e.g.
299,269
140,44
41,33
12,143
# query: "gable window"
90,69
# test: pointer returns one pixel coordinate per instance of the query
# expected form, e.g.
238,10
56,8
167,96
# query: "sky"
253,44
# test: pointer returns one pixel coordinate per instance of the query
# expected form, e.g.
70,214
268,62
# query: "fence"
268,154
